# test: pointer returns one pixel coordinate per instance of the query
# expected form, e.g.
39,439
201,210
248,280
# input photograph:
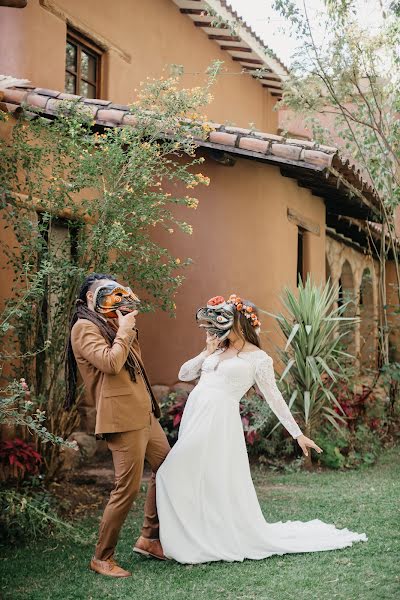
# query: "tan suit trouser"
129,451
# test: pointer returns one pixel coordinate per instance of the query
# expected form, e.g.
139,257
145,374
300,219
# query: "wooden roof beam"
225,38
193,11
274,85
251,61
237,49
270,78
209,24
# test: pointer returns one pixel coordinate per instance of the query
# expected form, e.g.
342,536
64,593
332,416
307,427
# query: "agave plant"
314,354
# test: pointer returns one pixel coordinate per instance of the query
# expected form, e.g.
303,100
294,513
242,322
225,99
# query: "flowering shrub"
363,432
18,409
357,442
172,407
76,198
367,407
353,404
18,458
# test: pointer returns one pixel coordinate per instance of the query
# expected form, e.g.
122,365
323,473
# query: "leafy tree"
109,191
345,83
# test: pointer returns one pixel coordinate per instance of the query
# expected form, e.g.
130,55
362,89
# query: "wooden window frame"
83,43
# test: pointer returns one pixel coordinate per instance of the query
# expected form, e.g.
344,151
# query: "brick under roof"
316,167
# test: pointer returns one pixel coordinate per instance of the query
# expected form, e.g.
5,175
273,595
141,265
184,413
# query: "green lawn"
365,501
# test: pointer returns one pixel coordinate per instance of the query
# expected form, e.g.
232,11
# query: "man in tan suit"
106,351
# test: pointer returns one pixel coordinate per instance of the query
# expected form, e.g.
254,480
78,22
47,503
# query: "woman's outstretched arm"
265,379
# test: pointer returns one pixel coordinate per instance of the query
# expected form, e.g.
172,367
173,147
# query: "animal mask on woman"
217,317
107,299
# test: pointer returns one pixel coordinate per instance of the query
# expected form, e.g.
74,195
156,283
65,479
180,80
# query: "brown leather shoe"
108,567
149,548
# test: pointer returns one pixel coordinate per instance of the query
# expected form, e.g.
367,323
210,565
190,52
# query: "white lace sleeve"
265,379
191,369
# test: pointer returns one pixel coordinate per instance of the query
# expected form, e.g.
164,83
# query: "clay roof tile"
34,99
46,92
319,167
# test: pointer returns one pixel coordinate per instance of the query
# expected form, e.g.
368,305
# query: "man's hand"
126,321
305,442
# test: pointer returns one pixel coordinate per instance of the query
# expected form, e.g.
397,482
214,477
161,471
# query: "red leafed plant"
354,404
18,458
250,433
174,404
176,412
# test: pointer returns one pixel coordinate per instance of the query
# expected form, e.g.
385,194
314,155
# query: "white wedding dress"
207,504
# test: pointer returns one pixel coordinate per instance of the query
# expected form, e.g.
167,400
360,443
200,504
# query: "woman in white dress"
207,504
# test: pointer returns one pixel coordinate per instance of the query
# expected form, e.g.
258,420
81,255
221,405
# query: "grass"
364,501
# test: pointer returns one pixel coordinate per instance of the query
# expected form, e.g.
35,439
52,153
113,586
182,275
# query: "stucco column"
375,309
393,302
335,284
357,277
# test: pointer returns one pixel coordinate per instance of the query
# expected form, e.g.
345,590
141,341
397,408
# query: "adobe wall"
242,242
140,40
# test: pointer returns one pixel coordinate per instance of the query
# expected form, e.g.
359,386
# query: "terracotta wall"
141,39
242,242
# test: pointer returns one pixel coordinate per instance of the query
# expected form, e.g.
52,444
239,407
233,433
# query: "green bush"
348,449
29,514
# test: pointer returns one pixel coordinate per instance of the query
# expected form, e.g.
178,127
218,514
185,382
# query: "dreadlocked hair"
106,329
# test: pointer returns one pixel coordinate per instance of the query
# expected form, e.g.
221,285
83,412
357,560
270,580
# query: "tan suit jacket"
121,404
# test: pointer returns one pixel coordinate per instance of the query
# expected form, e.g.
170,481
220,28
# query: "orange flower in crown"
246,310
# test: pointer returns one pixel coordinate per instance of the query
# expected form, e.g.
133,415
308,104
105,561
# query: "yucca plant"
314,356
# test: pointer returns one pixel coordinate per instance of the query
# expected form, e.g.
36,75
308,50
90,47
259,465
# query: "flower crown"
246,310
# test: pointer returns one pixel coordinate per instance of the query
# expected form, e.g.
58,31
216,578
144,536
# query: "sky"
270,26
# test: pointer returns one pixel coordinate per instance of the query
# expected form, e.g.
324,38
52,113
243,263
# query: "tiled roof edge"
258,144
